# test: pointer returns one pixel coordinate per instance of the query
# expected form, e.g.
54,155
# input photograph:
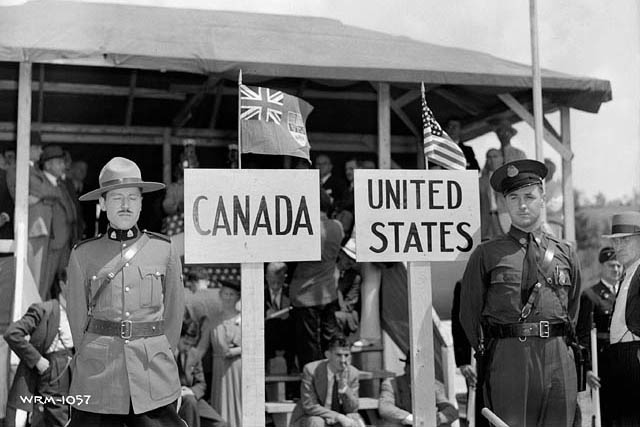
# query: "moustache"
128,211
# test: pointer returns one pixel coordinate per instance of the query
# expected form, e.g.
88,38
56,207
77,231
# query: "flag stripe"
439,148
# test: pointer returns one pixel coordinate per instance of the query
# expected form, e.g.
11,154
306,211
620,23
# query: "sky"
594,38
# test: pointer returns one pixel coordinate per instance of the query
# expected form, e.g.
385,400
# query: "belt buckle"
543,330
125,329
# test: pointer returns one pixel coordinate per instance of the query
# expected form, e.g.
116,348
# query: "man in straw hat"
519,296
126,302
505,131
622,358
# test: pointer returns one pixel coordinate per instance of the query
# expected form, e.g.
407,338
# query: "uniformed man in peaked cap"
126,302
518,300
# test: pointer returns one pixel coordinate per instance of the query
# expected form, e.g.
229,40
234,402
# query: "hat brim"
145,187
349,253
619,235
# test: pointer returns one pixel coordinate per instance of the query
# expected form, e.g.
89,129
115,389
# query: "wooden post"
384,126
166,156
253,365
21,214
567,178
537,84
421,328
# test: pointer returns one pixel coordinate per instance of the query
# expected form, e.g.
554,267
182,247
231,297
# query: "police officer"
596,308
519,295
126,302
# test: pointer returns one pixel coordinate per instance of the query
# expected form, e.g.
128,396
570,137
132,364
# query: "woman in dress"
224,340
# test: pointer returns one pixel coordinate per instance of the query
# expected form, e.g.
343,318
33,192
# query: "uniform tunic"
113,371
530,383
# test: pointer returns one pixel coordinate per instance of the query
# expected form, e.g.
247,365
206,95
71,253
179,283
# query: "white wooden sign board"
416,215
251,215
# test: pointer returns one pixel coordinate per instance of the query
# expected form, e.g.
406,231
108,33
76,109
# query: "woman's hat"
120,173
624,224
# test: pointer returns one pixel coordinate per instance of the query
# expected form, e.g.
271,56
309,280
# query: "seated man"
394,404
278,328
329,390
194,410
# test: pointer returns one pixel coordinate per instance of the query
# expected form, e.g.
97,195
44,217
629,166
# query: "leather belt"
126,329
602,335
542,329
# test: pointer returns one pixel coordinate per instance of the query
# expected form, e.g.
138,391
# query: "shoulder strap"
544,268
106,274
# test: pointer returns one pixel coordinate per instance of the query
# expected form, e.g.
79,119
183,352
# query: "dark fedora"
51,152
624,224
120,173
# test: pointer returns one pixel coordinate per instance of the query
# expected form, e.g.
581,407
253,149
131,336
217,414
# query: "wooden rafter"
184,115
525,115
459,101
132,94
216,105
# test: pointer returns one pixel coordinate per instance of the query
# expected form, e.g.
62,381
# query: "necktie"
274,302
335,399
530,268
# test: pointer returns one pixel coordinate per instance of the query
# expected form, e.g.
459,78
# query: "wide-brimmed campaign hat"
120,173
624,224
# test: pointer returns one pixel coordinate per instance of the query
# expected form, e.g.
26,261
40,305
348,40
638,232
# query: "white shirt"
324,179
52,179
63,340
619,331
613,289
277,297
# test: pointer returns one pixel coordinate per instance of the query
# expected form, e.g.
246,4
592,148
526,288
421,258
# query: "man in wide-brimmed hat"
622,374
519,297
505,131
126,302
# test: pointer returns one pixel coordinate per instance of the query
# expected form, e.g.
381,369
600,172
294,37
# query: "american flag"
260,103
439,148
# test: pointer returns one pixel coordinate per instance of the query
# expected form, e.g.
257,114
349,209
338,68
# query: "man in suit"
329,390
6,208
394,403
64,217
42,196
623,374
277,330
332,184
314,294
42,340
126,304
194,410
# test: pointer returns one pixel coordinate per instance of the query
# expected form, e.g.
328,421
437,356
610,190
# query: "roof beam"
216,106
458,101
151,135
525,115
94,89
184,115
309,93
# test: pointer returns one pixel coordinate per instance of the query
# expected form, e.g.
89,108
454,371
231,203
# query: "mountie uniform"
528,381
119,372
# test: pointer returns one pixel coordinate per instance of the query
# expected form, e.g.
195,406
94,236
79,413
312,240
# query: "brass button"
158,273
111,275
127,289
94,277
126,264
126,313
124,245
126,341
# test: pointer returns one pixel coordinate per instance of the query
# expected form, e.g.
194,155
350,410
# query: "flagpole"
537,84
239,122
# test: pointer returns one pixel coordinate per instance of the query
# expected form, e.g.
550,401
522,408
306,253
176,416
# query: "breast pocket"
555,296
503,295
151,285
105,290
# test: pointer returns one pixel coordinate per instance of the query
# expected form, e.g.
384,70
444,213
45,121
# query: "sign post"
251,216
417,216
